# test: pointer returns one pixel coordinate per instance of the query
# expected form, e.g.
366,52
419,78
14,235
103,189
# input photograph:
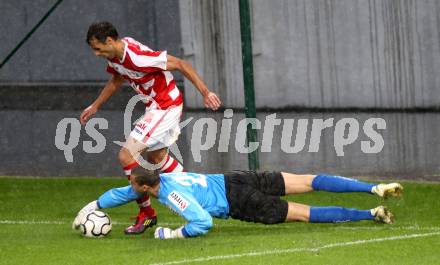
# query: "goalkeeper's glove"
167,233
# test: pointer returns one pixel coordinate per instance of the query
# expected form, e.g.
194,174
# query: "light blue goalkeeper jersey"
195,197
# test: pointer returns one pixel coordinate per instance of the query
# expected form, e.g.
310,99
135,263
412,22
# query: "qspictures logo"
208,133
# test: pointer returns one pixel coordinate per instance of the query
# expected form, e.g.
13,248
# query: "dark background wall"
58,51
313,60
320,53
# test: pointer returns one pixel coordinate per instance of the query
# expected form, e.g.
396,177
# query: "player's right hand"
212,101
87,113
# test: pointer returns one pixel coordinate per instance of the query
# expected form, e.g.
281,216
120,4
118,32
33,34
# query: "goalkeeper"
245,195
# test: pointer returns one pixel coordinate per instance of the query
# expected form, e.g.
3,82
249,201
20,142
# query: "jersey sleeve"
199,220
147,61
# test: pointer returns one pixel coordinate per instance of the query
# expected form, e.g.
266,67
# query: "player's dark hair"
144,176
100,31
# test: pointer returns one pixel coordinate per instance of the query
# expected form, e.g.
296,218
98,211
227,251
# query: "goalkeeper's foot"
382,215
143,222
388,190
92,206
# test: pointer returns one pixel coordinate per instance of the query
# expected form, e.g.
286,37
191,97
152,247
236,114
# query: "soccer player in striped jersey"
245,195
149,74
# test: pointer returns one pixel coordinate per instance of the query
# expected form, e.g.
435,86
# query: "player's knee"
154,159
157,157
124,156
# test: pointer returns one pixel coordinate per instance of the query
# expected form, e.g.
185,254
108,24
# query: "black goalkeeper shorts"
255,196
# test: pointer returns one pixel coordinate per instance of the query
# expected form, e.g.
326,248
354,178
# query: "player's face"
106,50
138,188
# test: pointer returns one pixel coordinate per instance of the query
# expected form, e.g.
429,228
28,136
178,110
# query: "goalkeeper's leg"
306,183
332,214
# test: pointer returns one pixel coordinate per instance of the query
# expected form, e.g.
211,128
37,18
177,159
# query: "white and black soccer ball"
96,224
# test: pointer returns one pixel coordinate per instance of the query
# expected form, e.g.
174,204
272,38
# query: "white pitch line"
31,222
42,222
293,250
376,228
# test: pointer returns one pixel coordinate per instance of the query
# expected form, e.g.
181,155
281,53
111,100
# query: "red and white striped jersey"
145,69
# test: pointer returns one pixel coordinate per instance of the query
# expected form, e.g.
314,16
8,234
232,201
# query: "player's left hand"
212,101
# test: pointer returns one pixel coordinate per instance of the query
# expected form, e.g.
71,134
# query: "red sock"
145,206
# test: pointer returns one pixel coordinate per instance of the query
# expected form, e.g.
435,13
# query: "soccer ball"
96,224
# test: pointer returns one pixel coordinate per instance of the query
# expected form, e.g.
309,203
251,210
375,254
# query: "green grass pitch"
36,215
